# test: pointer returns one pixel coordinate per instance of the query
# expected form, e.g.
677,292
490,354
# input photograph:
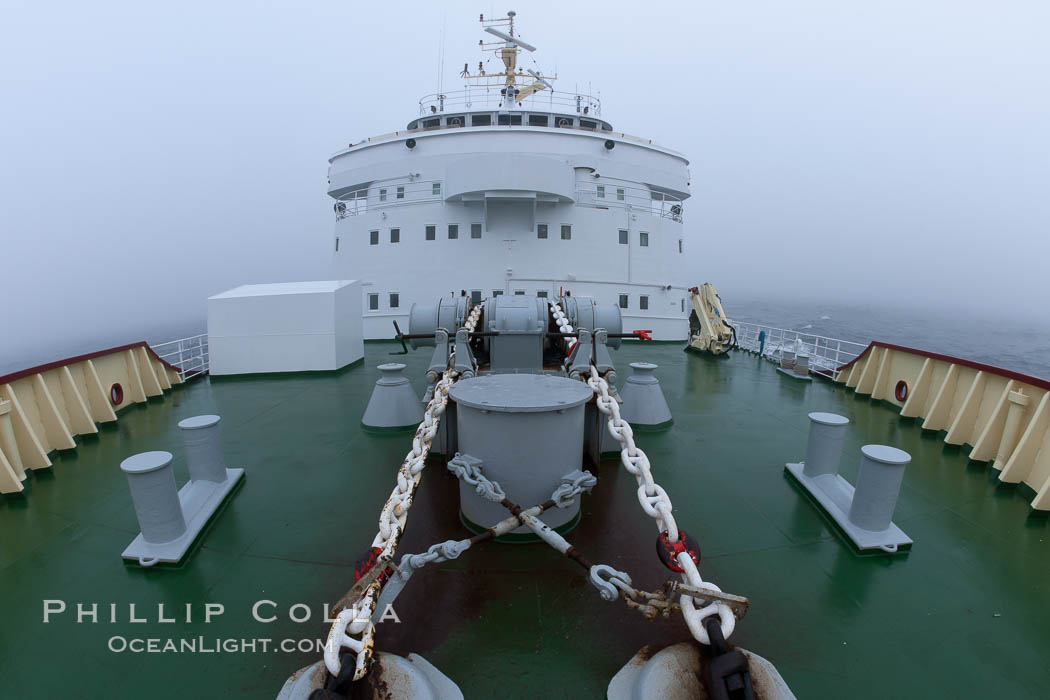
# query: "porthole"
116,394
901,391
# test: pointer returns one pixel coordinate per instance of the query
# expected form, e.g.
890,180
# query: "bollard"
643,400
156,499
824,448
801,364
394,405
203,443
878,486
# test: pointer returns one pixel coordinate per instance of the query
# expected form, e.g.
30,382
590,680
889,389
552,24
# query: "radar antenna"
515,82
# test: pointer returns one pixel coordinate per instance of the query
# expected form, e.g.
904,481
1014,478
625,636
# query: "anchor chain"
353,628
657,505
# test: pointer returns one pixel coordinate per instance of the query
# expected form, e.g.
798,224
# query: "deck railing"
480,97
188,355
826,354
592,194
386,194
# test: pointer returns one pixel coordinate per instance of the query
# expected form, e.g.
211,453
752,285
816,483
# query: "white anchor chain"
657,505
562,320
357,619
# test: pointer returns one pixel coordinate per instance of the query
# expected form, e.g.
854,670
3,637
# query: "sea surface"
1010,343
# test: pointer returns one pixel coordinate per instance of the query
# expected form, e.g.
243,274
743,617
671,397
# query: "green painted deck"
965,613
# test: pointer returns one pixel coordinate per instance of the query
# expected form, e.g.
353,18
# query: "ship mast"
515,84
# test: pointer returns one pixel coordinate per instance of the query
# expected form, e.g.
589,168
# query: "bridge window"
643,239
601,191
475,230
453,233
643,303
475,296
400,192
481,120
432,123
431,232
519,292
619,194
373,238
373,302
454,121
563,122
382,195
624,236
566,232
395,300
623,301
588,124
395,235
541,230
509,120
538,120
435,188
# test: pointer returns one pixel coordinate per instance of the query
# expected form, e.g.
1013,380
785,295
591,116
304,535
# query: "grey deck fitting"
795,375
643,400
171,520
393,404
864,513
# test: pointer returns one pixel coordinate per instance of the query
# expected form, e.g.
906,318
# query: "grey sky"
154,154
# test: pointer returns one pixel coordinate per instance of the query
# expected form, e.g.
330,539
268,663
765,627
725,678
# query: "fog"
893,153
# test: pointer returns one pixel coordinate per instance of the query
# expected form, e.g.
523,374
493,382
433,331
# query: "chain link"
657,505
357,619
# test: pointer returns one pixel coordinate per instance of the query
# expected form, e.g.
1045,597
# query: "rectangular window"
395,235
337,244
497,292
475,296
601,191
435,188
519,292
400,192
679,245
453,232
373,238
538,120
431,232
643,239
623,301
542,294
481,120
683,304
395,300
643,303
432,123
619,194
541,230
382,195
588,124
475,230
623,236
373,302
510,120
566,232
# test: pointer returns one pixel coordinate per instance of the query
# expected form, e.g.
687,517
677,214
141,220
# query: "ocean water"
1015,344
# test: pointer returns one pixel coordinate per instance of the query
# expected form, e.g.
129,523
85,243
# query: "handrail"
602,195
387,194
826,355
477,98
189,356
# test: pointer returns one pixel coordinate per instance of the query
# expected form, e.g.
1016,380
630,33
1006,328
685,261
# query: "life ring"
116,394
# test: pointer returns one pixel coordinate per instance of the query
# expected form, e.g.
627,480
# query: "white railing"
478,98
826,355
188,355
636,198
387,195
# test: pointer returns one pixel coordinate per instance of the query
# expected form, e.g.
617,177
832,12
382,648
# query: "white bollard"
878,486
156,499
824,448
203,442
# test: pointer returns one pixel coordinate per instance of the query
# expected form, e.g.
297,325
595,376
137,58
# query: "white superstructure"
533,194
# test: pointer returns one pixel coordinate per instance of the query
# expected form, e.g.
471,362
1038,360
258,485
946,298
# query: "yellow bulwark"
43,408
1004,416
